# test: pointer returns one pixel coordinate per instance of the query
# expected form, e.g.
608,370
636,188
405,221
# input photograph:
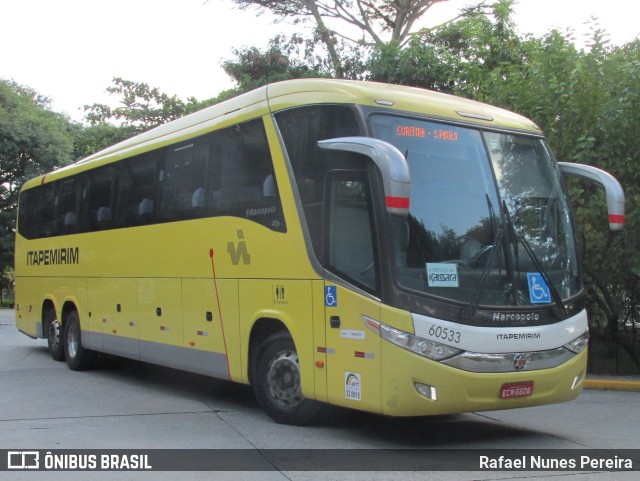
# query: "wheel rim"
54,335
73,340
283,378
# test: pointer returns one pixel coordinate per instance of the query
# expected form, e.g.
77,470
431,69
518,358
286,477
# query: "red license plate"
516,389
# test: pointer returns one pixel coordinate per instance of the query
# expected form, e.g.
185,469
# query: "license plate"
516,389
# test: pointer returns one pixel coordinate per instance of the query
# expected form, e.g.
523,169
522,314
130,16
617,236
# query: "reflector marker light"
373,324
616,219
364,355
397,202
326,350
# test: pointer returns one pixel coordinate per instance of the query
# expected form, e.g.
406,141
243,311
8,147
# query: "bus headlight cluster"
579,343
424,347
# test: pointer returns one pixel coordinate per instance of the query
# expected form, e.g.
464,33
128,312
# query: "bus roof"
397,97
292,93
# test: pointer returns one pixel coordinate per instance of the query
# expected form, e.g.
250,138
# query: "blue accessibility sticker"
539,292
330,296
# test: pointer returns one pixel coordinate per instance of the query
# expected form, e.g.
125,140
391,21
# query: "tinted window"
67,206
242,181
301,129
183,180
350,236
227,172
97,200
136,192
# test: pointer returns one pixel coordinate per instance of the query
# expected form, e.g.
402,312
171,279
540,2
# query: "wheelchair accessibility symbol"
539,292
330,296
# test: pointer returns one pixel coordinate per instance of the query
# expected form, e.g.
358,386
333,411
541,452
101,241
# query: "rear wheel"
78,358
277,382
53,331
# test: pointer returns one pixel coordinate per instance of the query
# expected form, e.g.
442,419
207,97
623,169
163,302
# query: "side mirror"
613,189
389,160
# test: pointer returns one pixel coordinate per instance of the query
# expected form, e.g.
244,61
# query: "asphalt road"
129,405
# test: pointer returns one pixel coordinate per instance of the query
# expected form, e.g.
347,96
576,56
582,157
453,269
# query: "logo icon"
539,292
519,362
239,252
23,460
330,296
279,294
352,385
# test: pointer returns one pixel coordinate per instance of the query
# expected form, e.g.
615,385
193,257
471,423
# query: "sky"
69,50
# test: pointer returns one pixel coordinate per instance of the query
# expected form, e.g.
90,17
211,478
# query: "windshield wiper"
471,309
534,258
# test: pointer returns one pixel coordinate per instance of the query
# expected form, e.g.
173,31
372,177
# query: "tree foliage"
358,23
33,140
456,58
283,59
142,107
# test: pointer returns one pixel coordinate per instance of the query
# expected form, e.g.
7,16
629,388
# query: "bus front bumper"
414,386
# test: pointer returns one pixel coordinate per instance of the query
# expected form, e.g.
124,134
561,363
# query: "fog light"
577,380
426,391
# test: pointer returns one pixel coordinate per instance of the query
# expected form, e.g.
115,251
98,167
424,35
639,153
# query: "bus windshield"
488,222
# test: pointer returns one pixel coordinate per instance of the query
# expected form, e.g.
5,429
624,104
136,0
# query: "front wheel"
277,382
78,358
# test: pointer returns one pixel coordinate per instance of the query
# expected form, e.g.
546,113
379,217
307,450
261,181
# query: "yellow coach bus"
383,248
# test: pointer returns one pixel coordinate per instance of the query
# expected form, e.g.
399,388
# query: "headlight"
424,347
579,343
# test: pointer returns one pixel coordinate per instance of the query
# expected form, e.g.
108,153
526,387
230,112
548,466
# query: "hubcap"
72,341
54,334
284,378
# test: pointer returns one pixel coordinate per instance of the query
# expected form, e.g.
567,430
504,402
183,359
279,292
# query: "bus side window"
301,129
136,191
98,198
46,211
243,182
183,192
28,225
67,206
349,228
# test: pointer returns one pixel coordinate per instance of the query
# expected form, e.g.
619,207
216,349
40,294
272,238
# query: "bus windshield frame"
489,225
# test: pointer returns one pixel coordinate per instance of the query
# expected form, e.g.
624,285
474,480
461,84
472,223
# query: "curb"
613,385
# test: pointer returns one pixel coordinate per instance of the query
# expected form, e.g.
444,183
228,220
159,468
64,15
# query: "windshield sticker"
442,275
539,292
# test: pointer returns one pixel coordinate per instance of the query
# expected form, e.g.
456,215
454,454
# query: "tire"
78,358
53,331
277,382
